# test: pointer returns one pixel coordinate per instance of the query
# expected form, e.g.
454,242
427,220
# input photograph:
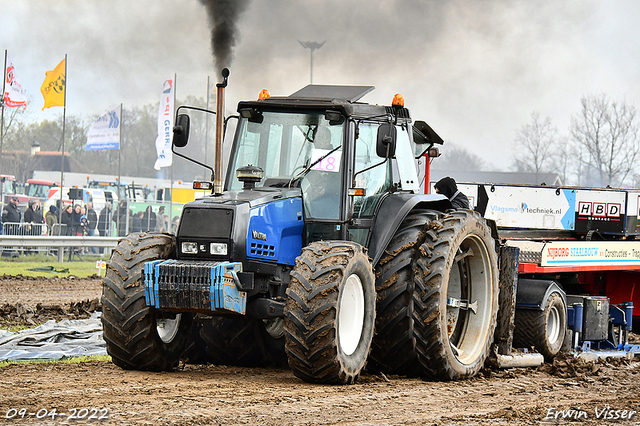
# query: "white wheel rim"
472,342
167,328
350,315
553,325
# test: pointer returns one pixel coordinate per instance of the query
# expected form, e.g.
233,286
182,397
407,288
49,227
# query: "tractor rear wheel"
330,312
458,271
241,341
399,305
140,337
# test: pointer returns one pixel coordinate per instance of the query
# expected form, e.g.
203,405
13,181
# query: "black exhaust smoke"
223,16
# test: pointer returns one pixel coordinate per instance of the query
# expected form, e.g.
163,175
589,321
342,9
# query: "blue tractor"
319,251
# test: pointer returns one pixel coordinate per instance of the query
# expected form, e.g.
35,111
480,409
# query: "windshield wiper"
310,166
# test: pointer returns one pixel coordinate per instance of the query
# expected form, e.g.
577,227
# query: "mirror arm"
194,161
353,182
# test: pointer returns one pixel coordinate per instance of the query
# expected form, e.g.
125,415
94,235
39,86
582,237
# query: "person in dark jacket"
447,187
66,219
33,216
11,216
92,217
104,221
52,220
149,219
77,214
136,222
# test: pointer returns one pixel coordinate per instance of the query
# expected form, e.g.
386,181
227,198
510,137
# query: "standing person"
33,216
175,223
136,222
148,219
162,221
12,216
92,222
104,221
92,218
51,218
84,225
121,218
77,214
66,218
447,187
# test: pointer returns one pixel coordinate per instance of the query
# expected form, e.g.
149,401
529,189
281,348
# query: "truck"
318,250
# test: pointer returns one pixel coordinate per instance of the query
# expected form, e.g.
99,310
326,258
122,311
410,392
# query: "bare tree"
455,158
608,132
536,144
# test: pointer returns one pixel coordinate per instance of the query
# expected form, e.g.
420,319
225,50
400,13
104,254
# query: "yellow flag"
54,86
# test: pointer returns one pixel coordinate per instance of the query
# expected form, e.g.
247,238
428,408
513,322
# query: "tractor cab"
343,157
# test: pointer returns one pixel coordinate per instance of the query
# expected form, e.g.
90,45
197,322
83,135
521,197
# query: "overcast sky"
475,70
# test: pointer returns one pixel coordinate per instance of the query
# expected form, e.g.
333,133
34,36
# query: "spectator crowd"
82,220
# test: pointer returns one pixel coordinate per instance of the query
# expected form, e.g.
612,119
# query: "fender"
393,210
533,294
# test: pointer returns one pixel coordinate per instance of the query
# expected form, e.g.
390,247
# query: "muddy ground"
212,395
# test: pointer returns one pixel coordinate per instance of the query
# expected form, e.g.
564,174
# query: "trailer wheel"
544,330
458,271
399,304
330,312
138,336
241,341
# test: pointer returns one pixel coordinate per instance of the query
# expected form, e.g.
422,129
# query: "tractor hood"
262,224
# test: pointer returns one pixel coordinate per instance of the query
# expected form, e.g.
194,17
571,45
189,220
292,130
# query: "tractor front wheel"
330,312
140,337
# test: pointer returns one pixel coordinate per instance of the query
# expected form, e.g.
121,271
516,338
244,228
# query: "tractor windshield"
284,144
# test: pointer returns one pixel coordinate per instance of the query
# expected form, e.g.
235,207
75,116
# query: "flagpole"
119,149
175,78
64,119
4,80
206,131
119,175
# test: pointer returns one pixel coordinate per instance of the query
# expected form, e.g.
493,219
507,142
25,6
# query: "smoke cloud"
223,17
475,71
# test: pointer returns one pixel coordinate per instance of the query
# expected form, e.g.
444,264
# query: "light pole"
311,45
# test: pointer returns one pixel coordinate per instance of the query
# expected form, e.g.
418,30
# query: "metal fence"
54,245
14,228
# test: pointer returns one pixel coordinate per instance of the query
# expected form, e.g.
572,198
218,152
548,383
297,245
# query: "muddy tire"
544,330
242,342
138,336
330,312
400,309
459,274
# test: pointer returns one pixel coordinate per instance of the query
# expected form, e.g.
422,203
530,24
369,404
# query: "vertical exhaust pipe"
217,181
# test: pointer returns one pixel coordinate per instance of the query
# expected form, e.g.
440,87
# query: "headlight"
218,249
190,248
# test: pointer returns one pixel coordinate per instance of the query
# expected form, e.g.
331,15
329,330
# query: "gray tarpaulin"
54,340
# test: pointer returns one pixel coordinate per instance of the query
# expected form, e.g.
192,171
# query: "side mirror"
181,131
386,141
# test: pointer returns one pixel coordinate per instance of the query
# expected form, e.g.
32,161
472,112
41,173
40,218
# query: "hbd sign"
600,210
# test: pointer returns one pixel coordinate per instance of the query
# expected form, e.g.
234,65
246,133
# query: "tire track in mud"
206,394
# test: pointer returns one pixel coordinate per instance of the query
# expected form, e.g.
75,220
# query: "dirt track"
206,394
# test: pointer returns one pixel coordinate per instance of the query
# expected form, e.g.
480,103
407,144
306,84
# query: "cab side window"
376,180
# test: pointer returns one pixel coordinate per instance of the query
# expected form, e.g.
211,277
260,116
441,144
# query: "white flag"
165,127
13,94
105,131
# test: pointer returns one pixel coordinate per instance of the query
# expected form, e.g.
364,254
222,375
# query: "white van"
98,197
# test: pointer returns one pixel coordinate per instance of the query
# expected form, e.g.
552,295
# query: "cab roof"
327,97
